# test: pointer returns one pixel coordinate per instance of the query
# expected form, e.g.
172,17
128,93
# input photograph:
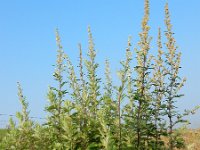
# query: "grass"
2,133
192,139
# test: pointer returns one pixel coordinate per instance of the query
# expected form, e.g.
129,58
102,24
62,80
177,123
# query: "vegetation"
85,114
2,134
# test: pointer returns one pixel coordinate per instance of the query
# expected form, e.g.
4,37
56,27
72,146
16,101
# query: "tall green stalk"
142,80
174,83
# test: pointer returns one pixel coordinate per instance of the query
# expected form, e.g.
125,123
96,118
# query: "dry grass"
192,139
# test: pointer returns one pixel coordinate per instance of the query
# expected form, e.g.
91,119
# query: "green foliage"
3,133
86,114
20,137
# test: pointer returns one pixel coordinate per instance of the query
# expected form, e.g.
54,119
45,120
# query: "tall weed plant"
86,114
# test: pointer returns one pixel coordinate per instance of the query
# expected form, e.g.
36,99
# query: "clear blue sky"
28,49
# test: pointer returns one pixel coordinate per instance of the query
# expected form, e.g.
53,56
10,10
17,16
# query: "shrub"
84,113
